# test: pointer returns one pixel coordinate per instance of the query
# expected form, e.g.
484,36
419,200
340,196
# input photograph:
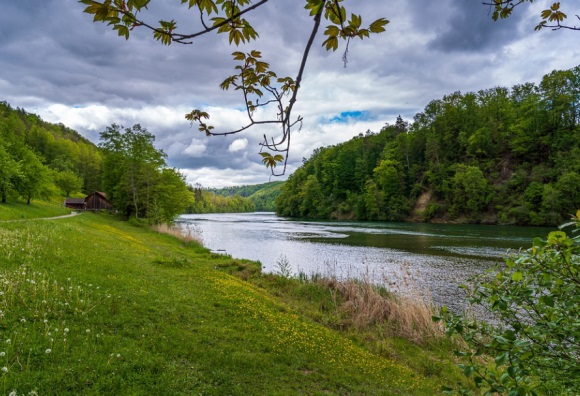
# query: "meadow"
94,305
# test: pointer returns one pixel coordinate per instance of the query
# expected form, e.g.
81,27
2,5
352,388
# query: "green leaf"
378,26
501,359
517,276
331,43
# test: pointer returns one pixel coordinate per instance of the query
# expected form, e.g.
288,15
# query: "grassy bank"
92,305
18,210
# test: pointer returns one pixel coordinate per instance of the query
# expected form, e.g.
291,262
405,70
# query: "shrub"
535,301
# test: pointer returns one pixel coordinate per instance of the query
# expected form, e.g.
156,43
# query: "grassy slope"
165,321
15,210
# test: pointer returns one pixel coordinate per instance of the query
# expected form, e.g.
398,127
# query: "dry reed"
187,234
366,304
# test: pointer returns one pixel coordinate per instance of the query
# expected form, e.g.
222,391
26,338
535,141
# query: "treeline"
136,177
47,161
208,201
43,160
507,156
262,195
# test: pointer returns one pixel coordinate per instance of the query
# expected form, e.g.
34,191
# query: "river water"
408,257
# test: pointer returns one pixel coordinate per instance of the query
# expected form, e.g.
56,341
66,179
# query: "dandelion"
13,393
66,329
48,350
88,330
45,320
23,320
118,355
5,369
2,354
8,341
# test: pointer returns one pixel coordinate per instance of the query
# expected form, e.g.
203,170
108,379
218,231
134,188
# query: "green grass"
17,210
148,314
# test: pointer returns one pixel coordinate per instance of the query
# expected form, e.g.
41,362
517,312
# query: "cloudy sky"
57,63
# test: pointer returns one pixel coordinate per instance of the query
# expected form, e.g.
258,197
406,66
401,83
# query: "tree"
471,189
170,196
131,163
260,87
34,179
68,182
9,170
552,18
535,299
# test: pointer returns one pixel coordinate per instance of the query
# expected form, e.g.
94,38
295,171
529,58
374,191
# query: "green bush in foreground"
535,299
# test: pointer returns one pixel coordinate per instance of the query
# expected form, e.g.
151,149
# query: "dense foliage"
39,159
508,156
136,178
262,195
43,160
535,298
207,201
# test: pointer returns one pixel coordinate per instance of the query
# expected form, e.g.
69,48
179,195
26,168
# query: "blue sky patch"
347,116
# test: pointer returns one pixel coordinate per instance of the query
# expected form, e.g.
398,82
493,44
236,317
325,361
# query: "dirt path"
72,214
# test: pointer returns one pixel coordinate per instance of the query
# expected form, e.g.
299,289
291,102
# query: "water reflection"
439,257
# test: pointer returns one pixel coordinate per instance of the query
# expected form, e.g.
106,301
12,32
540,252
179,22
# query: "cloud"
54,61
196,149
238,145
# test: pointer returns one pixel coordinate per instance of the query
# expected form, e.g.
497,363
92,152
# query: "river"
407,257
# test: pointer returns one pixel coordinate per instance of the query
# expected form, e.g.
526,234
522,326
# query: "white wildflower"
48,350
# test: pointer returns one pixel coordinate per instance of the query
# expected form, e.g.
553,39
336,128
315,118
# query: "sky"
57,63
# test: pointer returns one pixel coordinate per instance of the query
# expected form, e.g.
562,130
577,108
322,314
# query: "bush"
535,301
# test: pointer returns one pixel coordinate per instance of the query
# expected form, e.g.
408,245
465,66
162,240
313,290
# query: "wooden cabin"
94,201
75,203
97,201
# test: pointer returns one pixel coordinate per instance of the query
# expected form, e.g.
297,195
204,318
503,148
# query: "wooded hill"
506,156
50,161
40,159
262,195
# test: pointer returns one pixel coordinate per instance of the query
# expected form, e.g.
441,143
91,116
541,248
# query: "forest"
496,156
40,160
262,195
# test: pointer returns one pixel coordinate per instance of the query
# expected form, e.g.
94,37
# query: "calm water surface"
436,257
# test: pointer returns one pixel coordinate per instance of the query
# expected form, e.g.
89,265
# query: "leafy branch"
552,17
260,86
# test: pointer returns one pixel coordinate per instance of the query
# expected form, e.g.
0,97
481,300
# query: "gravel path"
72,214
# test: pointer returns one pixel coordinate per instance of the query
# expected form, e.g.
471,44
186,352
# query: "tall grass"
365,304
190,233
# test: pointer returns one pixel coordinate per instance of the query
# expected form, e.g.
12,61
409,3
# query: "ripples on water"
438,258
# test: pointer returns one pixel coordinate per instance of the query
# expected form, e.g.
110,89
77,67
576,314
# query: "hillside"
262,195
93,305
505,156
39,159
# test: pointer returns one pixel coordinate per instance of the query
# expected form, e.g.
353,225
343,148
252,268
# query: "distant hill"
262,195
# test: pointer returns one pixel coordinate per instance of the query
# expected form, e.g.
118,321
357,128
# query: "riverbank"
111,308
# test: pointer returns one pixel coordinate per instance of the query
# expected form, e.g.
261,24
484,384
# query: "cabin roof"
74,200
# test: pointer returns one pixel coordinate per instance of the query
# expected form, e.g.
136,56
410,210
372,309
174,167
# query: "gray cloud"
471,29
54,61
